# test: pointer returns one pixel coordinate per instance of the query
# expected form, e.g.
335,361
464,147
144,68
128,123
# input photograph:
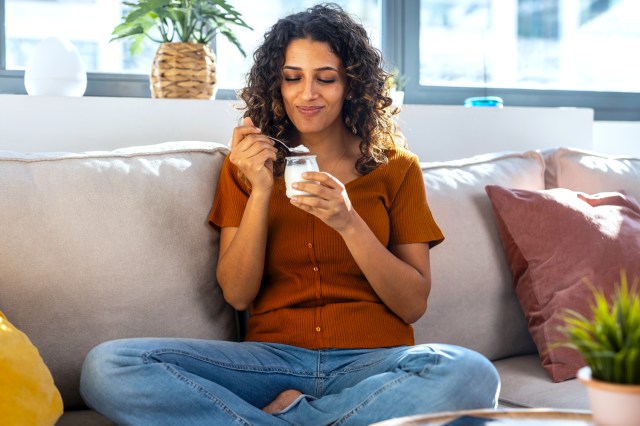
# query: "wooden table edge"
510,413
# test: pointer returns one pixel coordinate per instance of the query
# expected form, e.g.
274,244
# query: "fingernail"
295,185
294,199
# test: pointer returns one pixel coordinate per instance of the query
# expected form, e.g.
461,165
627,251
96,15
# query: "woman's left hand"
330,204
383,267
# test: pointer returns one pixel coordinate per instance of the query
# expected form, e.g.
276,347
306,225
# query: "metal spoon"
300,149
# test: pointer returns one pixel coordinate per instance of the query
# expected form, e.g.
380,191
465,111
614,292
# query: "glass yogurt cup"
293,169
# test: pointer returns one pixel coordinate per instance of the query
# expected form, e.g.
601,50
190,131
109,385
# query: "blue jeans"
198,382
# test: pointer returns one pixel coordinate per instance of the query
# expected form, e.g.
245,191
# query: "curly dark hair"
368,113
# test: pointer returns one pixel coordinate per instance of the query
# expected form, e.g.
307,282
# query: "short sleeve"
231,198
409,214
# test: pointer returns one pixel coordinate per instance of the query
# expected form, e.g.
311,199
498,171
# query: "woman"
332,279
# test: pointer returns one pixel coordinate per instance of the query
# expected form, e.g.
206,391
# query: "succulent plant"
395,80
610,341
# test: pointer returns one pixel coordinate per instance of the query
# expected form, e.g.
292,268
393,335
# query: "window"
529,52
88,25
263,14
531,44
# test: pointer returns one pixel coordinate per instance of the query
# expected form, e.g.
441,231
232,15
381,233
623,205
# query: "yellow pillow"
28,395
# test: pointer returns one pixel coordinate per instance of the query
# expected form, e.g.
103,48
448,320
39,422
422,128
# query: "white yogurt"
300,149
294,167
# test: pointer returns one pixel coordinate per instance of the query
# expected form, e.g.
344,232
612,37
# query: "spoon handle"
284,145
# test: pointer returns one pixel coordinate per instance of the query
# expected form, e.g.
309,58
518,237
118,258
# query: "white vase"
55,69
611,404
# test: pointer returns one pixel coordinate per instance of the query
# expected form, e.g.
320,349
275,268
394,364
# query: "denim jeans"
198,382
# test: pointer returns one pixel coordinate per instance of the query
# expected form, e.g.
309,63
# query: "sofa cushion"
83,418
557,242
104,245
590,172
472,302
525,384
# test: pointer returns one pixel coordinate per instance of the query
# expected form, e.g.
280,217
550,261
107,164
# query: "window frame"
400,23
607,106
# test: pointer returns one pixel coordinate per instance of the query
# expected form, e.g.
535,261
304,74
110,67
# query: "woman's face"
313,86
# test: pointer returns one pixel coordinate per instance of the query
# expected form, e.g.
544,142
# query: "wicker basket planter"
184,71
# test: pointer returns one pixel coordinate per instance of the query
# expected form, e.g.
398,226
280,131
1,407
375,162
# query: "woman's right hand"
254,154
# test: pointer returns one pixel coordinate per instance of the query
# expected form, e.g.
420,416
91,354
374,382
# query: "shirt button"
310,245
315,268
317,328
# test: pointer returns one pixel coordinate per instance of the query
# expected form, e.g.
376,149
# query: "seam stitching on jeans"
230,365
207,394
371,397
400,379
430,365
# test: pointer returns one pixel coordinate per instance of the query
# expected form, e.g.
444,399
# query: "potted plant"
184,64
609,343
395,83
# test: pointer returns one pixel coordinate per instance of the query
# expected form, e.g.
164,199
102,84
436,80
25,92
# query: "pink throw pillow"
556,241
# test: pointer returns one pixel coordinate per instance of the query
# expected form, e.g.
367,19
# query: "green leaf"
127,30
232,38
609,342
191,20
137,46
144,8
632,366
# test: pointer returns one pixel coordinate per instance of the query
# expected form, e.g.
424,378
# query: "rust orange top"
313,294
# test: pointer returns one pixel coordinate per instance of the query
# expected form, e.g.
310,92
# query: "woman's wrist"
353,228
261,194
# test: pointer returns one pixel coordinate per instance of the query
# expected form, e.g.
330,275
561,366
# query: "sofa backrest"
591,172
103,245
472,302
106,245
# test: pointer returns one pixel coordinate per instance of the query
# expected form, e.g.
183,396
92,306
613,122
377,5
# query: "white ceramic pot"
612,404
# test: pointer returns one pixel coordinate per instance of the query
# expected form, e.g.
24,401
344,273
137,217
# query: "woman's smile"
309,111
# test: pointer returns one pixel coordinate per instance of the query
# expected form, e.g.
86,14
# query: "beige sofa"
104,245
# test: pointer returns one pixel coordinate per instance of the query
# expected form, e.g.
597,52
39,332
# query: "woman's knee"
456,368
423,358
102,368
476,375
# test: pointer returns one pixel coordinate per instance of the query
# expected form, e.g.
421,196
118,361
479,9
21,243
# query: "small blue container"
484,101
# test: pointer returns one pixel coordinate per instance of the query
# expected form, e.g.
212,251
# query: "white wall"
42,123
435,133
617,137
439,133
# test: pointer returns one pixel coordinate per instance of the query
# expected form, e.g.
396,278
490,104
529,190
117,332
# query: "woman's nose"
310,90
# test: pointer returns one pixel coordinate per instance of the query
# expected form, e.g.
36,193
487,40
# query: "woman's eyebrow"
327,68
